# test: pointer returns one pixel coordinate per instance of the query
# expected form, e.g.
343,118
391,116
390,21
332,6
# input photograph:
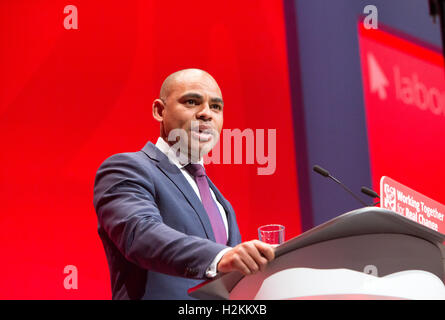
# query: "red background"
405,142
71,98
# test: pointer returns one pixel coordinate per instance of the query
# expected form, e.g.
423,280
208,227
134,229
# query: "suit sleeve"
124,199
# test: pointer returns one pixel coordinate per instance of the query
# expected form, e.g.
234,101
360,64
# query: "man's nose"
204,112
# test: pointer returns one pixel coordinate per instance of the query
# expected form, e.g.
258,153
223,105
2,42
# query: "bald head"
191,101
182,76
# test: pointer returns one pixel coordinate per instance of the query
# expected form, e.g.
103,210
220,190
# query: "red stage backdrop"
71,98
404,92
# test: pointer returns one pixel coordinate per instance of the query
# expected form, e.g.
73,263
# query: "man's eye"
216,106
190,101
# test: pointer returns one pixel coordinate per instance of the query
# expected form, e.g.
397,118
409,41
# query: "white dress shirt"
164,147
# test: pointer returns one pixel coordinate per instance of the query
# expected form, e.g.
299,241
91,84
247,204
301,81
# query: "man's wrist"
212,270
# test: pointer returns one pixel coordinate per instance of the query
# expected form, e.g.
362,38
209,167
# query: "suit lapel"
176,176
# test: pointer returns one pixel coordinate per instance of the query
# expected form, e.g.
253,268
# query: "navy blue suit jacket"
155,231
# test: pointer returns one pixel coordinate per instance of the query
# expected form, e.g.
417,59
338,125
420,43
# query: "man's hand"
248,257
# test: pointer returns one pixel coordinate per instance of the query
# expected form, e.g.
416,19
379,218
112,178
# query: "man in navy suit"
164,225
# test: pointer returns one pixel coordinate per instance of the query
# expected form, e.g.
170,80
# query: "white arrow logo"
377,78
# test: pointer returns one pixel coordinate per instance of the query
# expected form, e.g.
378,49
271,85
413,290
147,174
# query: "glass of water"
272,234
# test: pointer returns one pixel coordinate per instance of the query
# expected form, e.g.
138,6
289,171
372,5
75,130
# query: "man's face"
194,105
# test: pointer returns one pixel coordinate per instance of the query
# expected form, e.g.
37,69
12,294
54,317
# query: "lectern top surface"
368,220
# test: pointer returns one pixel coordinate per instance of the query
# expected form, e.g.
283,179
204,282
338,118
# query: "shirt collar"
164,147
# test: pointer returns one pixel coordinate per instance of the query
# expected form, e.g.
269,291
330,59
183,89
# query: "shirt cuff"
211,271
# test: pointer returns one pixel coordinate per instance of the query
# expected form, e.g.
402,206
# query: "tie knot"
195,169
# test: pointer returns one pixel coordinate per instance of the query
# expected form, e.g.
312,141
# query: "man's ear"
158,110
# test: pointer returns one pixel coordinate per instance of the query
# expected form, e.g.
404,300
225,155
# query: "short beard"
188,149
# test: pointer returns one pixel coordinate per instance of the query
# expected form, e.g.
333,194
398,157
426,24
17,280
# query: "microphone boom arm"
349,191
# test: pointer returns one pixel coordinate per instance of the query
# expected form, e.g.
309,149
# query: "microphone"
371,193
326,174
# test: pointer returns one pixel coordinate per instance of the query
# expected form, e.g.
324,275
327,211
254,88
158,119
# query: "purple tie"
198,172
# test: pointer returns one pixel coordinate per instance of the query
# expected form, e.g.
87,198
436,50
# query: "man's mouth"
202,133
